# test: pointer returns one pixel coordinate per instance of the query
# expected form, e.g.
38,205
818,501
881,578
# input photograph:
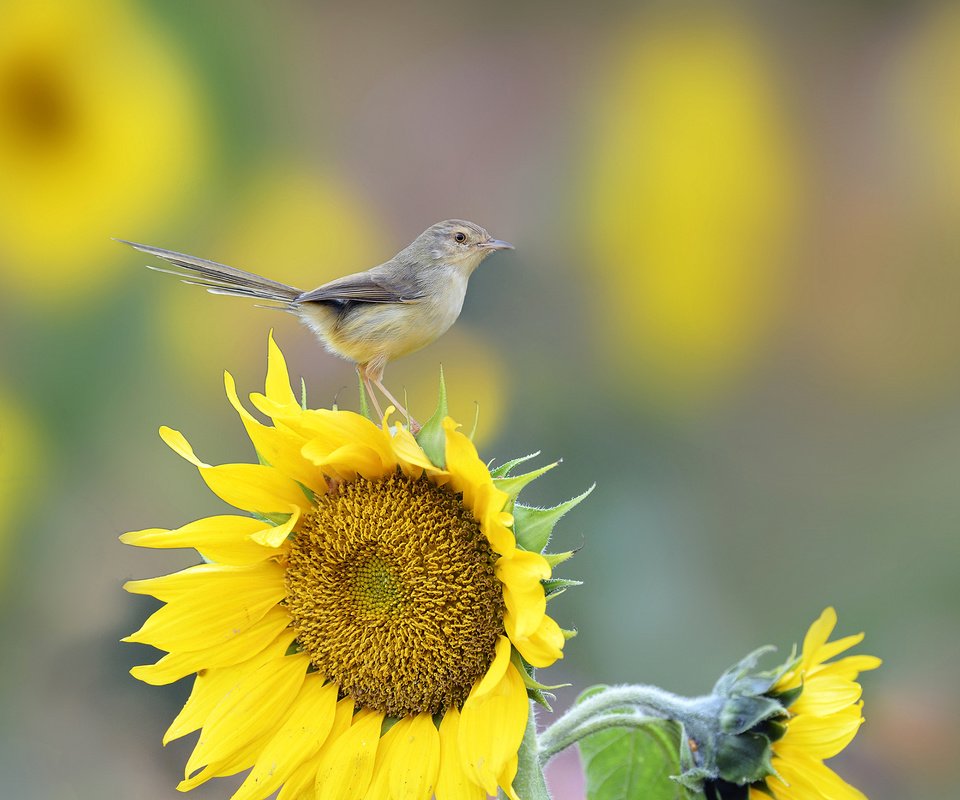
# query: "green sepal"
557,586
526,671
364,401
432,438
504,469
534,526
273,518
789,697
742,712
514,485
536,691
303,394
476,420
740,678
553,559
773,729
744,758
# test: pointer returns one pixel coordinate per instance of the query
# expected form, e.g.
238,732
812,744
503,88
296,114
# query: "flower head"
370,628
778,728
824,717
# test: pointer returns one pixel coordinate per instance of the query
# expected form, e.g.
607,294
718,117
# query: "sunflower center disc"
393,594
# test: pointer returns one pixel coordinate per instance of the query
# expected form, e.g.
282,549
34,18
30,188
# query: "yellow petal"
543,647
507,776
831,649
241,647
216,611
177,442
467,471
237,762
850,667
252,707
278,447
453,783
821,737
346,767
413,461
387,750
276,535
809,779
212,685
348,461
302,783
413,772
817,636
254,487
244,645
825,694
180,584
226,539
491,726
521,573
300,737
277,384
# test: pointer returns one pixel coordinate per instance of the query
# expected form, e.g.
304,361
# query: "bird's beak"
495,244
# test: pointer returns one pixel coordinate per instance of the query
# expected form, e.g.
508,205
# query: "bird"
371,317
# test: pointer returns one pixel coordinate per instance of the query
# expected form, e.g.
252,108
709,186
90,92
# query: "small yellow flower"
823,719
364,633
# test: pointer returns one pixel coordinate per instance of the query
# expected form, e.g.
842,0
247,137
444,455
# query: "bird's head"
456,242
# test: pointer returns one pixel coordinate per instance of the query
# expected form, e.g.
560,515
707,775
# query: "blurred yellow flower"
927,97
101,134
293,225
365,641
690,191
20,460
823,719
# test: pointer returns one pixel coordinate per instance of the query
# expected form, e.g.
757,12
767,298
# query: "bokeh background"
734,305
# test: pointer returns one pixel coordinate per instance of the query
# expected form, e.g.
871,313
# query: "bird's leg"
365,378
375,374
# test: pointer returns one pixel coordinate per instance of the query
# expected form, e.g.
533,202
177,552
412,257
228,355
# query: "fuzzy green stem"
530,784
605,710
554,744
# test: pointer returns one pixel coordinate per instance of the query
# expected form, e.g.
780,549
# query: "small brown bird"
369,317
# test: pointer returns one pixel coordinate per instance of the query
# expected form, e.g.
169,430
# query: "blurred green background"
733,305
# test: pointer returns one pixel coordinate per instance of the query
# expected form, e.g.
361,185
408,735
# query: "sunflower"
370,630
824,717
102,131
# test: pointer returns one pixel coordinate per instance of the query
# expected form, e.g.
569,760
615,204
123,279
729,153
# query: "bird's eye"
460,236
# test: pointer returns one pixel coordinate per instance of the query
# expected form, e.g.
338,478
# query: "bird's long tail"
219,278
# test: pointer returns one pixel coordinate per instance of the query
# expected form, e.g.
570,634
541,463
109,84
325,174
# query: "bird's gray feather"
373,286
219,278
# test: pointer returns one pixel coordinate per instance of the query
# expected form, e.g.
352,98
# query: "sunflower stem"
554,744
530,784
606,709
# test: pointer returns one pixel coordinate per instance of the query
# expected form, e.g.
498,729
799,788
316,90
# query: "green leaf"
513,486
504,469
432,438
634,763
533,526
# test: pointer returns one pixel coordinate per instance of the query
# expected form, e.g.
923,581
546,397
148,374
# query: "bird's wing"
365,287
